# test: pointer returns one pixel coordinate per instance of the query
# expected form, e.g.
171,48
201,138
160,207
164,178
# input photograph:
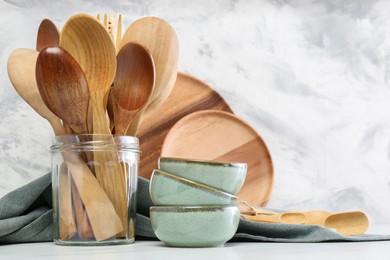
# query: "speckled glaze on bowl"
195,226
225,176
170,190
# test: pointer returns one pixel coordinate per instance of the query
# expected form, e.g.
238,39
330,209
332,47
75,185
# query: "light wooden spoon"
133,84
90,45
48,35
161,40
348,223
21,71
63,87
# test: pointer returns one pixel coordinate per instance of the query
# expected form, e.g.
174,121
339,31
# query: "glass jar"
94,179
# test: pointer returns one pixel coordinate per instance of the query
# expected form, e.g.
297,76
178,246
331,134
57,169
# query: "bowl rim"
206,162
192,183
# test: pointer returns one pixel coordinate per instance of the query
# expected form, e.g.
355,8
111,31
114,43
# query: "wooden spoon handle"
67,223
84,229
273,218
108,170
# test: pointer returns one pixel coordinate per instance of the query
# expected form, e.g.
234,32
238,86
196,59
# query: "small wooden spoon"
63,87
348,223
48,35
161,40
133,84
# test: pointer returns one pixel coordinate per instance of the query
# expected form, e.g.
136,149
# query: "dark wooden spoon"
48,35
63,87
133,84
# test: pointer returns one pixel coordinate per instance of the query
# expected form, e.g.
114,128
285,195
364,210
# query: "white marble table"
156,250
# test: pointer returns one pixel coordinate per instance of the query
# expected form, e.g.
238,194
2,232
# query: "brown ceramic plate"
188,95
221,136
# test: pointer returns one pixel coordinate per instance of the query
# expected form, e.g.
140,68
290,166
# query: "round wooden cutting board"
221,136
188,95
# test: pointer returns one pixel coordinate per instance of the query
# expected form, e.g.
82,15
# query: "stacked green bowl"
195,202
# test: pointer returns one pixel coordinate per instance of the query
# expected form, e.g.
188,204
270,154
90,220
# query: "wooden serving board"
221,136
188,95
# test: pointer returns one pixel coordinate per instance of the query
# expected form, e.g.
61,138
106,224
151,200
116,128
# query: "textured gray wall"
311,76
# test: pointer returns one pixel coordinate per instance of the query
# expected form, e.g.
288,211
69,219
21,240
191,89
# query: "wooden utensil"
161,40
216,135
21,71
63,87
317,217
91,46
133,84
189,95
84,228
348,223
48,35
285,218
68,226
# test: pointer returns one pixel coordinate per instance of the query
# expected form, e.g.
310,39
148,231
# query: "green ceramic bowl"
170,190
225,176
195,226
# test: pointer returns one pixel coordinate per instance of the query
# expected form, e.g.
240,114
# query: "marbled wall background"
311,76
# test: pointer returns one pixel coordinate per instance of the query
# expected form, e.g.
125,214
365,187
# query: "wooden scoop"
134,82
48,35
317,217
161,40
348,223
90,45
285,217
63,87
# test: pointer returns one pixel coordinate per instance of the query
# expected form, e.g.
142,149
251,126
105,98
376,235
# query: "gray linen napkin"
26,216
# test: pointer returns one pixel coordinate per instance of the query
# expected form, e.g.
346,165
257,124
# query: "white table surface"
156,250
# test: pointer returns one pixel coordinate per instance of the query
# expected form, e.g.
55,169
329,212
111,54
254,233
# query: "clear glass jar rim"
93,142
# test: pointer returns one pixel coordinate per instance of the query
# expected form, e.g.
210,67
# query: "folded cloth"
26,215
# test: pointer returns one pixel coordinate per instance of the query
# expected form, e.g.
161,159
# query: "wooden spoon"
48,35
21,71
348,223
133,84
161,40
63,87
90,45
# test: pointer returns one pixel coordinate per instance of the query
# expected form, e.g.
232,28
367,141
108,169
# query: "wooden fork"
115,30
